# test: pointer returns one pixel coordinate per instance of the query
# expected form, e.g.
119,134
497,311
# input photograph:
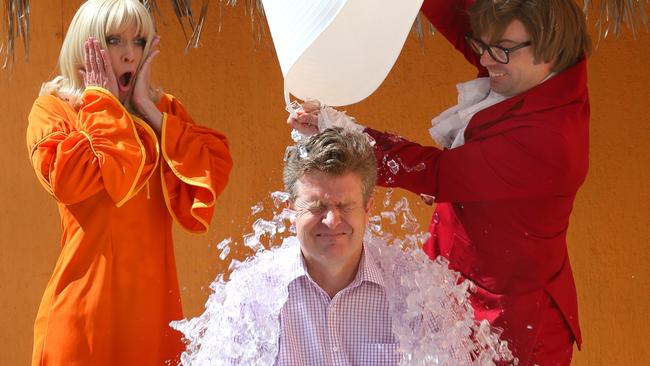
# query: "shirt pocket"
378,354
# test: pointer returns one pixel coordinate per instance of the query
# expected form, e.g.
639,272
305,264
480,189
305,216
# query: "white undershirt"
448,129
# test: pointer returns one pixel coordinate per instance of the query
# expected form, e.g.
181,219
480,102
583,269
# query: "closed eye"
345,207
316,210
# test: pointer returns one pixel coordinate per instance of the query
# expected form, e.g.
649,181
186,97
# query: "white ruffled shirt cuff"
330,118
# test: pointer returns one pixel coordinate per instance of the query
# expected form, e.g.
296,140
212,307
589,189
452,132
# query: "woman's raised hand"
141,90
97,67
141,97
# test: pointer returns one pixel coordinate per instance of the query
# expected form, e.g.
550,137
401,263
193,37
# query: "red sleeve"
524,162
196,166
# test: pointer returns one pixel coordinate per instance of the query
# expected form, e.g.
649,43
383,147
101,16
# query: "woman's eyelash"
112,40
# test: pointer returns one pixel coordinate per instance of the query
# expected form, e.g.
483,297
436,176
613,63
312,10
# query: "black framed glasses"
498,53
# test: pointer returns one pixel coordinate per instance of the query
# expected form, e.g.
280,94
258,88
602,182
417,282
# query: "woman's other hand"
98,70
141,97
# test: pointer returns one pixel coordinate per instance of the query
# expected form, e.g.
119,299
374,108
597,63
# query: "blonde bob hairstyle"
99,19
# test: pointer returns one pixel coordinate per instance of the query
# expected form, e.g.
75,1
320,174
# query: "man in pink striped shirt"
337,312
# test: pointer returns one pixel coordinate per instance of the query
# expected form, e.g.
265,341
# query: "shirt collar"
297,266
368,269
473,91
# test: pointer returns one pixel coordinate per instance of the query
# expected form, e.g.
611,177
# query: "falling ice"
429,305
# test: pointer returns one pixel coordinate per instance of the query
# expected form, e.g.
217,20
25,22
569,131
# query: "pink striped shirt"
353,328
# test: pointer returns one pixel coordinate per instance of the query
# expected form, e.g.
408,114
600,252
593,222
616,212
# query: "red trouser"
554,344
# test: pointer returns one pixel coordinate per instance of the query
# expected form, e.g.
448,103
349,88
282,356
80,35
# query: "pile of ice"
431,314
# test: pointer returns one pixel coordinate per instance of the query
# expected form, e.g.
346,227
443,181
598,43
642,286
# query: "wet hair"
99,19
334,151
557,28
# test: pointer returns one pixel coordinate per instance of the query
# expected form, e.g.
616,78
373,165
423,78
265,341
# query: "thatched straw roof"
609,17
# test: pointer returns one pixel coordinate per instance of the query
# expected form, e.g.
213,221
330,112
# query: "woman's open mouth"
124,81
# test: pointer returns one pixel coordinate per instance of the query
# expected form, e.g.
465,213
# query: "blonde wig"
99,19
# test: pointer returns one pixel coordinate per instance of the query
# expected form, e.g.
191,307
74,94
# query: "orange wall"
231,85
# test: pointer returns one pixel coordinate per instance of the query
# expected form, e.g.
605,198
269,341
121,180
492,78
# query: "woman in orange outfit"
122,162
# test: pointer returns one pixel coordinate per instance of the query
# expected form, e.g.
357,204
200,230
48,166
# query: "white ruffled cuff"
330,117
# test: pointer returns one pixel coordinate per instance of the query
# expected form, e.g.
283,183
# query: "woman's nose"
128,54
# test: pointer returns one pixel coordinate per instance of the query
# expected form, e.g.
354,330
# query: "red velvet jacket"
504,197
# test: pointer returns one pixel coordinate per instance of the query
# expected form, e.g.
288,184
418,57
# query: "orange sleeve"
196,167
76,154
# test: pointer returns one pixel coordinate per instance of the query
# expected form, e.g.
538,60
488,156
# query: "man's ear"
289,204
370,205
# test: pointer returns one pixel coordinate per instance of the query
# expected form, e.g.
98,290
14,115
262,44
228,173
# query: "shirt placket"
337,351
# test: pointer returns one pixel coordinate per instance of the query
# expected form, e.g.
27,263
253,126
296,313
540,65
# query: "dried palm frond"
612,14
609,19
418,28
255,10
183,10
152,6
258,19
196,31
16,25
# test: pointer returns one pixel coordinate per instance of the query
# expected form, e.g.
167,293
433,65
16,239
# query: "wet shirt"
352,328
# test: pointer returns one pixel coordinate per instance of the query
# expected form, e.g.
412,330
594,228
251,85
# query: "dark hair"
557,28
334,151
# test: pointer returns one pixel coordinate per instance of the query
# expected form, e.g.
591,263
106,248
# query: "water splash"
389,216
224,248
419,167
388,197
279,198
432,317
409,221
259,207
240,324
393,166
431,314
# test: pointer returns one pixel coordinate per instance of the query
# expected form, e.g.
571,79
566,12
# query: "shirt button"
335,349
436,218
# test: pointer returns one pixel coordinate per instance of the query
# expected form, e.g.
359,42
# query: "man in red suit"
514,154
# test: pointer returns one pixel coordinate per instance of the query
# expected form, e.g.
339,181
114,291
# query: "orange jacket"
118,188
